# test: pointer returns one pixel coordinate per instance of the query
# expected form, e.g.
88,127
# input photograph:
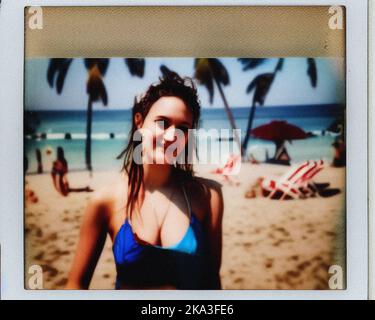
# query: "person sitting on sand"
59,175
281,154
339,158
59,171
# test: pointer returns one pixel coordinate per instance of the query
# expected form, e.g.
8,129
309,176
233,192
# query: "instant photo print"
211,151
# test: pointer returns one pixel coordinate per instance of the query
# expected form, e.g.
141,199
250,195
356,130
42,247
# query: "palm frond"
102,64
251,63
261,84
219,71
204,75
279,65
95,86
56,72
312,71
251,85
136,66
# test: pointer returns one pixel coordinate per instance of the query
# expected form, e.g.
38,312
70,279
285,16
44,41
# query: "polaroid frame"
11,160
371,128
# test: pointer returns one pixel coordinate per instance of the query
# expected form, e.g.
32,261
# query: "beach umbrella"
278,131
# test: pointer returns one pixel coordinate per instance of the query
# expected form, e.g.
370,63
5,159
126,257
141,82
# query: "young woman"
59,175
59,171
165,223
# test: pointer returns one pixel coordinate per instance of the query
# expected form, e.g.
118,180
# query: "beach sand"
267,244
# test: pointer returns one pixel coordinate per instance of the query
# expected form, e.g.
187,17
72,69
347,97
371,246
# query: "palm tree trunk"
249,127
253,107
230,116
88,136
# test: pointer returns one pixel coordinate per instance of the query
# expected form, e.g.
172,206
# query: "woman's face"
164,130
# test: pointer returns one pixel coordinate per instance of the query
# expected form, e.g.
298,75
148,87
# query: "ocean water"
55,124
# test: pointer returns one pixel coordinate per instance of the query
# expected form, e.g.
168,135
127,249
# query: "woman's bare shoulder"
110,197
204,187
206,192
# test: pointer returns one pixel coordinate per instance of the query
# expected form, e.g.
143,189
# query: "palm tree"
95,88
261,85
208,71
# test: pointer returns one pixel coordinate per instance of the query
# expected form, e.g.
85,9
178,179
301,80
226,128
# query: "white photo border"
371,143
11,159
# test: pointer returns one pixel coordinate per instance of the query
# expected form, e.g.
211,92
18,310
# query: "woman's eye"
162,123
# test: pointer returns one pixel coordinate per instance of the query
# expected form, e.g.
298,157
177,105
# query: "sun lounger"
307,186
294,183
231,167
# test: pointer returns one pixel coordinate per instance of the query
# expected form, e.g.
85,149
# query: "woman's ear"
138,119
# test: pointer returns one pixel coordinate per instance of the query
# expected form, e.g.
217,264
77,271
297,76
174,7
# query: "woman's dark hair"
61,156
170,85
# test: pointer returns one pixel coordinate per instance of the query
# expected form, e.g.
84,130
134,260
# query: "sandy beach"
267,244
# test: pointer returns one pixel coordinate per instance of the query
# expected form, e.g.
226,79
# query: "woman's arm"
214,231
92,238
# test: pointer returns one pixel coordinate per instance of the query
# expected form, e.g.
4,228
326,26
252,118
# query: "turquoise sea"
55,124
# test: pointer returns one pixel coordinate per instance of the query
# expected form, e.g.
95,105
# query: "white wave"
121,136
55,136
77,136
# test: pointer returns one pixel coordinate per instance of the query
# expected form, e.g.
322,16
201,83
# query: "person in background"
339,158
39,160
59,175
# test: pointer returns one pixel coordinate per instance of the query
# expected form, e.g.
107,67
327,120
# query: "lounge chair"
307,186
231,166
294,183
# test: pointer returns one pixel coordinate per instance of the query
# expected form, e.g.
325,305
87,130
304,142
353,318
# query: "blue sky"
291,85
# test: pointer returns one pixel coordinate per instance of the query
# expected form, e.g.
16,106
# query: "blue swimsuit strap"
187,201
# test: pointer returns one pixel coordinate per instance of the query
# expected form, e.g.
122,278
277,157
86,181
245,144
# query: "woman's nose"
170,134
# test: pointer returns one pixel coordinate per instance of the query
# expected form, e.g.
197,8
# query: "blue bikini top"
142,264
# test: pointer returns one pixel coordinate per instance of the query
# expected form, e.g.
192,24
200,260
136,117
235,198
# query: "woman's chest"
158,219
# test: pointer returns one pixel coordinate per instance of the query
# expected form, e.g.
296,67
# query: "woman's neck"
156,175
